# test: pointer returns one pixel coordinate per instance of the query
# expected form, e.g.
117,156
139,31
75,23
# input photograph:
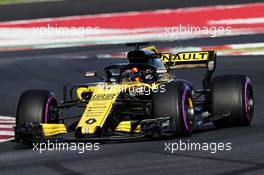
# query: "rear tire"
176,101
232,94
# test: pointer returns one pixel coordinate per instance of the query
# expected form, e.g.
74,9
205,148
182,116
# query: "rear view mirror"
93,74
162,71
90,74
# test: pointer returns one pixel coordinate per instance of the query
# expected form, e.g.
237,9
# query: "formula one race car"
138,99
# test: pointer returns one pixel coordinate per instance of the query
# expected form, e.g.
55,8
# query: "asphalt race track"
53,71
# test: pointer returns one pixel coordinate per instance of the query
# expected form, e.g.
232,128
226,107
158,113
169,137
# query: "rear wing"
186,60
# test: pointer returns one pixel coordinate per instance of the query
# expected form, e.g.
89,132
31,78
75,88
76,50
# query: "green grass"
5,2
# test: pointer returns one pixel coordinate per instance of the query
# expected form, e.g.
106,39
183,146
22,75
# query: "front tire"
35,106
176,102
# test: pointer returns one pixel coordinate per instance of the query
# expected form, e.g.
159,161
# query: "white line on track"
7,121
5,140
259,20
6,118
7,133
6,126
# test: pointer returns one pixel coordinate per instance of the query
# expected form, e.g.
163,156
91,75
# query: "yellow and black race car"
138,99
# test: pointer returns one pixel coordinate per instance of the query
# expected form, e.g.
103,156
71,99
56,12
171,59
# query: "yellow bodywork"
185,57
151,48
53,129
104,96
100,105
126,126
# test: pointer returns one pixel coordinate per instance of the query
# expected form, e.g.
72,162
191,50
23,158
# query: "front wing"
149,128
